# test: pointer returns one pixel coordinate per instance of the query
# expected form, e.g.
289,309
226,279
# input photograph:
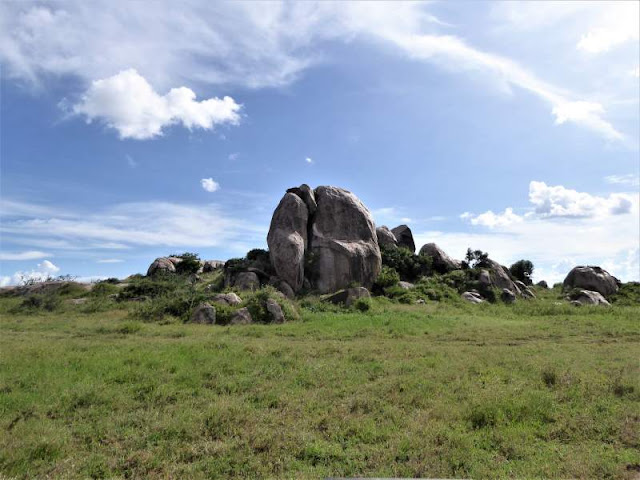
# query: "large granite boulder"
227,299
343,243
241,317
162,265
591,278
501,277
507,296
287,239
308,197
404,237
442,263
386,237
246,281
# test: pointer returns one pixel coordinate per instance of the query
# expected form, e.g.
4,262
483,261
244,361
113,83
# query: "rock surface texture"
204,313
405,237
349,296
326,236
588,297
386,237
161,264
442,263
591,278
472,297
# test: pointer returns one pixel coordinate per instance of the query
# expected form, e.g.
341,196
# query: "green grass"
530,390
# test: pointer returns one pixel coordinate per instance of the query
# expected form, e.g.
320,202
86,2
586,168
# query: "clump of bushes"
627,295
522,270
190,263
407,264
48,302
256,304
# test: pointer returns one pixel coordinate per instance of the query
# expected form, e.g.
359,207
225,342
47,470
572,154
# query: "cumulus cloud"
308,160
619,24
492,220
130,105
110,260
44,271
558,201
209,184
28,255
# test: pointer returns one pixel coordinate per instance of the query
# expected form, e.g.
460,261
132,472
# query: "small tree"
522,270
190,263
476,258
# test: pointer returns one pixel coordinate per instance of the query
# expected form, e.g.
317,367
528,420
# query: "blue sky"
131,132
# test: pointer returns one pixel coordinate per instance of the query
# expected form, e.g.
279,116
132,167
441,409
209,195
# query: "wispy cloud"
308,160
110,260
28,255
627,179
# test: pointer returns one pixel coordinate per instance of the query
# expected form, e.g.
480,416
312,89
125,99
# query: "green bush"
408,265
628,294
522,270
48,302
388,277
362,304
190,263
103,289
159,285
256,304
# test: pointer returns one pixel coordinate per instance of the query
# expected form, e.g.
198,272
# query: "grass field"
536,389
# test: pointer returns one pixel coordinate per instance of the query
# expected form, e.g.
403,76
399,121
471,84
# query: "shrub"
628,294
151,287
190,263
476,259
522,270
362,304
388,277
103,289
408,265
49,302
256,303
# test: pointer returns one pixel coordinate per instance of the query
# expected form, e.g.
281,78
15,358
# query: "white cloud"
110,260
308,160
256,44
636,72
492,220
618,24
130,161
628,179
558,201
44,271
128,103
28,255
209,184
129,225
234,156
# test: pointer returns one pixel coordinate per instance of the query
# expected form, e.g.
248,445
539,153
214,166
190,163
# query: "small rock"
349,296
542,284
241,317
274,309
227,299
472,297
406,285
77,301
507,296
204,314
588,297
420,302
485,278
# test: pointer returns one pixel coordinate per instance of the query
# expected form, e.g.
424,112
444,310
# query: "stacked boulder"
325,239
442,263
590,285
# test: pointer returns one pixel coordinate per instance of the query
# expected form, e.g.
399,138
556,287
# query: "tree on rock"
522,270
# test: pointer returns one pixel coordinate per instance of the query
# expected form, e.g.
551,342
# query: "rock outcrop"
162,264
227,299
501,277
246,281
241,317
404,237
472,297
385,237
442,263
326,236
507,296
212,265
593,279
287,239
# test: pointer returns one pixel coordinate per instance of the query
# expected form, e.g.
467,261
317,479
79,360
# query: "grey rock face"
241,317
386,237
349,296
472,297
204,313
525,291
404,237
308,197
588,297
212,266
343,243
287,239
501,278
485,278
275,311
162,264
282,286
542,284
227,299
246,281
442,263
591,278
507,296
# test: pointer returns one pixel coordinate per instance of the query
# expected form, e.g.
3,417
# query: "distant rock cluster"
325,241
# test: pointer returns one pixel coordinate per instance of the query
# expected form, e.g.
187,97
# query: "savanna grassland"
535,389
